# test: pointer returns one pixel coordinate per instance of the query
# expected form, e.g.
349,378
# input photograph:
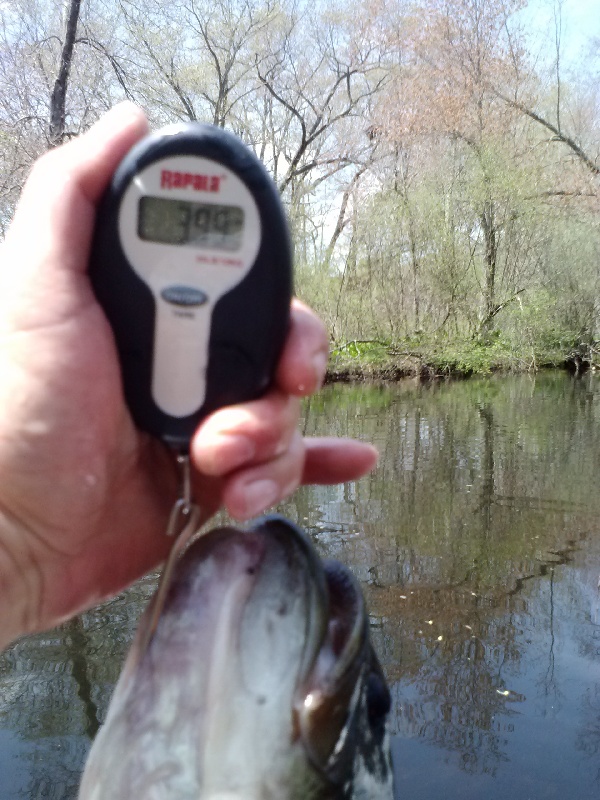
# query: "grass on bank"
419,356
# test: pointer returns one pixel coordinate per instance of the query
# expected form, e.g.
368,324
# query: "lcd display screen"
178,222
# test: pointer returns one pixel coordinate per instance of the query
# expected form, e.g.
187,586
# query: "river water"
477,541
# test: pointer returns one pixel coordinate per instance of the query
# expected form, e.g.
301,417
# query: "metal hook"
183,506
183,524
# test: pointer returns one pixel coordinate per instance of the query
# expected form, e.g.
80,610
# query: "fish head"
259,682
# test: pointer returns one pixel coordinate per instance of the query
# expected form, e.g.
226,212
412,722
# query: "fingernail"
319,362
259,495
115,116
123,110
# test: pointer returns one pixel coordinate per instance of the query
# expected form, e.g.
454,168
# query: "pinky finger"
330,460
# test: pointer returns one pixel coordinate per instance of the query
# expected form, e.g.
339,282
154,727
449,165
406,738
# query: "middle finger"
249,433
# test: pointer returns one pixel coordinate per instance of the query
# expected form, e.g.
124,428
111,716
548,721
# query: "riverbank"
375,360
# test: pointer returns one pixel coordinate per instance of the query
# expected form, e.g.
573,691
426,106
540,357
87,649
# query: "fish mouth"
240,594
253,671
268,616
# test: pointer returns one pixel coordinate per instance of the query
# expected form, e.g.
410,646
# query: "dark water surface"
478,543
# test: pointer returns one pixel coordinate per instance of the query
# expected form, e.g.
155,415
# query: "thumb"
49,238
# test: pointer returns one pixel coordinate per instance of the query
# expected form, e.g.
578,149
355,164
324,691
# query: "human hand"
84,495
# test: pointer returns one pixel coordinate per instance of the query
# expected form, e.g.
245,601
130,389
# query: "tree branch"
558,135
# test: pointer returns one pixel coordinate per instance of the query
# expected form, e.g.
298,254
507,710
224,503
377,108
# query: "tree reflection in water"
477,540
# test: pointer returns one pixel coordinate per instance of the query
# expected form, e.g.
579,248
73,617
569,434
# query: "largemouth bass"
258,683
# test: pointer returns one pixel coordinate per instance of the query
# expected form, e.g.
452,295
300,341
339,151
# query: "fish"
259,681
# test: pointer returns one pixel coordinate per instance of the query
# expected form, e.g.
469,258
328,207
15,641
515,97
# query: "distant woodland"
440,164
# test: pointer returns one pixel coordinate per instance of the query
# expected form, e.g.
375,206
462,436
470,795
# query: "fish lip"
334,684
297,542
279,527
338,604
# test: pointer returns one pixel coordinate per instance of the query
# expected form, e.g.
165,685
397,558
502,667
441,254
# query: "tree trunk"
490,235
58,100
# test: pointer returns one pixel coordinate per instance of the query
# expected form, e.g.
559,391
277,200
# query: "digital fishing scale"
191,262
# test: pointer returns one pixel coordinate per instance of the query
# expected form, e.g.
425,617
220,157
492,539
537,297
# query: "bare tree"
323,76
58,98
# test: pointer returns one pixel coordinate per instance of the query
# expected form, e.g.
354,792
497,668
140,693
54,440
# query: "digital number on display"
178,222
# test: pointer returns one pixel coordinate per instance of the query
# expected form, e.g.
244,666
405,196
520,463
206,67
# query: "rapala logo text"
171,179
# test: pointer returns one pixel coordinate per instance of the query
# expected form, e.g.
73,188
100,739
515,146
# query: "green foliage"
533,344
468,357
355,349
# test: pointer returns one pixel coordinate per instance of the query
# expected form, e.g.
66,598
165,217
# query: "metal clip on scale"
183,526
